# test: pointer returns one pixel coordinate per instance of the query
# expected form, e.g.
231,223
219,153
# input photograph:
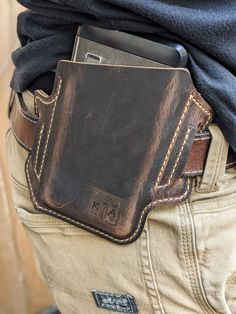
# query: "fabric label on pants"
115,302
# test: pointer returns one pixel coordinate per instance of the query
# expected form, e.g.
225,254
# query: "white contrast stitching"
180,153
193,172
191,98
37,151
177,160
173,141
80,224
149,206
204,110
202,138
174,198
54,100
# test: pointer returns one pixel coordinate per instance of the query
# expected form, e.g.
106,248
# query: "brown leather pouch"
112,143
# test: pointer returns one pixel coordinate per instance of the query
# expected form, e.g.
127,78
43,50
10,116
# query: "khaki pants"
183,263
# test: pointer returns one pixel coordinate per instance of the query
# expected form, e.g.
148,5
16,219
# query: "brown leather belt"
24,125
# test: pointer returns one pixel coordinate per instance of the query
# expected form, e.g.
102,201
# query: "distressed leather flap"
112,143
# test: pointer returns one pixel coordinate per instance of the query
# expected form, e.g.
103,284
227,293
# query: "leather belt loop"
23,123
216,161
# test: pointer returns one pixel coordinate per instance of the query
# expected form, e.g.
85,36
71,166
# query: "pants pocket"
69,260
72,262
215,228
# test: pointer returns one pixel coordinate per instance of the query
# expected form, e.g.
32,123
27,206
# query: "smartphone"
102,46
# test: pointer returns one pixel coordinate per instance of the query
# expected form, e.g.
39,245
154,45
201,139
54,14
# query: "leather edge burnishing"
169,189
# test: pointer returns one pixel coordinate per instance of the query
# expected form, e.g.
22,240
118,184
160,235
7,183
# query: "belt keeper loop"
216,161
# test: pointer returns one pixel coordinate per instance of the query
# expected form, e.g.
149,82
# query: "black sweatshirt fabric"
207,29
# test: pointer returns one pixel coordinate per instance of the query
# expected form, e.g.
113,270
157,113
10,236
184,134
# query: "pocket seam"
18,184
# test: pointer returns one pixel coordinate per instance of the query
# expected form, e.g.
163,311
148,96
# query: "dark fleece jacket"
206,28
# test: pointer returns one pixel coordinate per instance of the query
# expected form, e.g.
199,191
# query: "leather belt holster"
111,143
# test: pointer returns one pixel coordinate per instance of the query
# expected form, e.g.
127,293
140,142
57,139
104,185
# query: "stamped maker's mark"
104,206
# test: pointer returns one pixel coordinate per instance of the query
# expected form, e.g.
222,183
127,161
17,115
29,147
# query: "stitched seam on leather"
180,154
148,274
205,111
202,139
191,98
37,151
54,101
187,247
23,144
86,227
177,160
54,98
193,172
179,198
173,141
